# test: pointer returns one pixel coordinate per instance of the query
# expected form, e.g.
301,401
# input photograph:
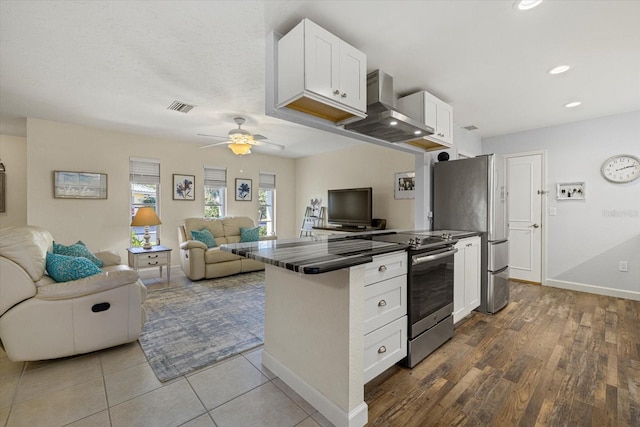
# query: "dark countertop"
314,255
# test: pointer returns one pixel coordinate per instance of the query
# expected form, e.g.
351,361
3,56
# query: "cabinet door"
353,77
472,274
444,127
322,61
431,111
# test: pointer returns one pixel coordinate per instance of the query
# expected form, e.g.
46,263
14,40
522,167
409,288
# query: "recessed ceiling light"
417,132
559,69
573,104
393,123
527,4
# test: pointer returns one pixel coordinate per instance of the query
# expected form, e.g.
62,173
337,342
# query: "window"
267,203
215,192
144,182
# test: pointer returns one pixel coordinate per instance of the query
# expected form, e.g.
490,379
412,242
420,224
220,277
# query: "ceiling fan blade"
214,145
212,136
271,145
257,137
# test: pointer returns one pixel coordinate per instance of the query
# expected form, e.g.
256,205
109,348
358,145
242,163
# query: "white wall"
607,221
104,224
364,165
13,153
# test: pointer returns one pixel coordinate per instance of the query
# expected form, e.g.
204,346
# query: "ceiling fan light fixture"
240,148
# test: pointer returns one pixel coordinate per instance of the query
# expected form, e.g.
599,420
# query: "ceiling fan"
240,141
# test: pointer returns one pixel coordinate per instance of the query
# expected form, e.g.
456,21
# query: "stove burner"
417,242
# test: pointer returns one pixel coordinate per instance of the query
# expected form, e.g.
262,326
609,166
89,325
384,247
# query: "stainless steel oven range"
430,291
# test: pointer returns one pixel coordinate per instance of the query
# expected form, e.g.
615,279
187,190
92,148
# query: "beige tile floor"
116,387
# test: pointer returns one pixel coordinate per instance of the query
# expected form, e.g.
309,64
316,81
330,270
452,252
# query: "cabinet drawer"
385,267
147,260
384,347
384,302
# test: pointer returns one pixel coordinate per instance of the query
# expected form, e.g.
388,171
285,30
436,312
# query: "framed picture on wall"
184,187
404,185
243,190
79,185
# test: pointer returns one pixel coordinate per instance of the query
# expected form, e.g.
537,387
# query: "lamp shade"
239,148
145,216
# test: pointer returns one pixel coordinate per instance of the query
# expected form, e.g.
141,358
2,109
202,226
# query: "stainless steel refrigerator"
469,194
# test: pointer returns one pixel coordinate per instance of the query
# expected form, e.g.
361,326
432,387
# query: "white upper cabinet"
320,74
433,112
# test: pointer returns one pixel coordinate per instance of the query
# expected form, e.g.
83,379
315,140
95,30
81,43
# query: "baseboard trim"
599,290
358,417
527,282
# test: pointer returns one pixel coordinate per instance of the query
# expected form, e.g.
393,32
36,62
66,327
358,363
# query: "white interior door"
524,198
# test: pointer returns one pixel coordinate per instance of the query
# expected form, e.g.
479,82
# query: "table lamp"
146,216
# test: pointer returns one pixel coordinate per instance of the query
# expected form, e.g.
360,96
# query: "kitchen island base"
314,339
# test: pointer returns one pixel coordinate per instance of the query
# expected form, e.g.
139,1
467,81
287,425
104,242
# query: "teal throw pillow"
64,268
249,234
78,250
205,237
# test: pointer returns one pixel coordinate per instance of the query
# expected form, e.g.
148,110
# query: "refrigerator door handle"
497,242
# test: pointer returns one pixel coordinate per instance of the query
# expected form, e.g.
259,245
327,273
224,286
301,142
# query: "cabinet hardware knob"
382,349
469,244
382,303
344,95
336,92
382,268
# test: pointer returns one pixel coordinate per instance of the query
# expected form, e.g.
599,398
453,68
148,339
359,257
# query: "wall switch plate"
553,212
623,266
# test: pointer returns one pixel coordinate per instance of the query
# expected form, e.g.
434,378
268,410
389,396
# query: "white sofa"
42,319
199,262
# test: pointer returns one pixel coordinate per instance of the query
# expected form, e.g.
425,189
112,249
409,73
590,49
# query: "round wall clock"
621,168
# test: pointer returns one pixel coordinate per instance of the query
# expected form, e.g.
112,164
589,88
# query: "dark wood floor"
552,357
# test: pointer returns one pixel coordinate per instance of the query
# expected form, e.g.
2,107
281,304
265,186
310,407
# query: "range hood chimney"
383,120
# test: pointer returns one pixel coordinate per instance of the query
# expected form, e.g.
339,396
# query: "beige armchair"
41,319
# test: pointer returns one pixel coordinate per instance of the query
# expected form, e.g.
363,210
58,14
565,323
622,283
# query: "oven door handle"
421,259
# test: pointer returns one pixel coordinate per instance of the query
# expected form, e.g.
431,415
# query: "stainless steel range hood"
383,120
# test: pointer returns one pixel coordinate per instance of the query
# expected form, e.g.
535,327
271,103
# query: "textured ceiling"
118,65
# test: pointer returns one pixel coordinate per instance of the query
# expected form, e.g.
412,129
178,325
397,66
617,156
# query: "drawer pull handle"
153,256
382,303
153,263
382,268
382,349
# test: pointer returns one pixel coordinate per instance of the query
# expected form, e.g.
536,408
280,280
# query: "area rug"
194,324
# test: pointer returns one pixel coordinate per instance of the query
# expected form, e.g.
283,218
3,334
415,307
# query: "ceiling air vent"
470,127
180,106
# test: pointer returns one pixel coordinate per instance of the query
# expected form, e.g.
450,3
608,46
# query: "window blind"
144,171
267,181
215,177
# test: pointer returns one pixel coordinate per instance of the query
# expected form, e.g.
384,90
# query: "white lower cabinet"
385,313
466,278
384,347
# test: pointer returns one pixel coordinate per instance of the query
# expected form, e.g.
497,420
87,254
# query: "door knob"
534,225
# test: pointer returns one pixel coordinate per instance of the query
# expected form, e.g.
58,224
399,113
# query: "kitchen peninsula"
316,317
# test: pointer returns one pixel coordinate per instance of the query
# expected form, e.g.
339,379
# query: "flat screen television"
350,207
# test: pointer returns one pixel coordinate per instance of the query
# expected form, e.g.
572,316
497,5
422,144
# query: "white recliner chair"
42,319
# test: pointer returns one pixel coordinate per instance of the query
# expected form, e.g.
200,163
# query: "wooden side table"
157,256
